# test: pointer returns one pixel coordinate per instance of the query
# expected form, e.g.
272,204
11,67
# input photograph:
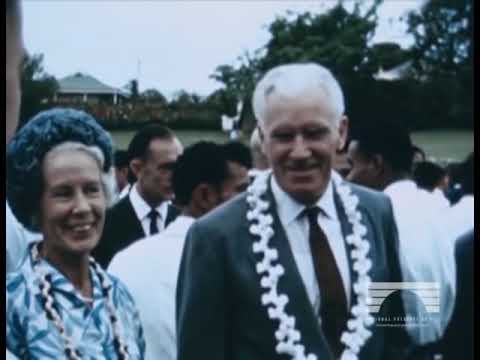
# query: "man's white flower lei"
287,336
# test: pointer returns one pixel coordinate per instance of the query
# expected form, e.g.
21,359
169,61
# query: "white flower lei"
287,336
53,315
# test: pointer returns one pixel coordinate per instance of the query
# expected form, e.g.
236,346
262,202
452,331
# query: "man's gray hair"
294,81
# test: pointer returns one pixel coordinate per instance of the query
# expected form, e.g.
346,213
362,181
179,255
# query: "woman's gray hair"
294,81
107,178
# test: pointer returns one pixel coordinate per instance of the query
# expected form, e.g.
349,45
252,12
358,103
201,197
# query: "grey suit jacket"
219,311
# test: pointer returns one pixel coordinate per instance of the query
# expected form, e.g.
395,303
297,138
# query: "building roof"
85,84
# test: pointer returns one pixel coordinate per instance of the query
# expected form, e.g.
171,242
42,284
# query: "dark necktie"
333,309
153,215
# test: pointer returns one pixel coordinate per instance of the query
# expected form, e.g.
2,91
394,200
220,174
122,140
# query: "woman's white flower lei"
53,315
287,336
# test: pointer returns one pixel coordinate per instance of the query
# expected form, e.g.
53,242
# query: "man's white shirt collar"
142,209
289,209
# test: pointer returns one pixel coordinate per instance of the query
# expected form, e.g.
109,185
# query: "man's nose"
300,148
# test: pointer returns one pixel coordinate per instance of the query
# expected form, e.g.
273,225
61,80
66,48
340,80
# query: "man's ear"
204,197
261,134
378,165
136,166
343,133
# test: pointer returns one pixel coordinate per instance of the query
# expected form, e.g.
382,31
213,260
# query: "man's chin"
306,196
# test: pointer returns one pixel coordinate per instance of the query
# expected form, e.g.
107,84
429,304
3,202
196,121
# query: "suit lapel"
132,222
172,214
291,284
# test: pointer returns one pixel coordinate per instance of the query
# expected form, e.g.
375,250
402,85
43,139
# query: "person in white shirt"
16,245
381,155
150,267
18,239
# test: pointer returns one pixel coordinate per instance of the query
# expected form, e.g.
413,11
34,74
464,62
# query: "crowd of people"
228,251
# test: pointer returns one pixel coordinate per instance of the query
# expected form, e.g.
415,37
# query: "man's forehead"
318,106
163,149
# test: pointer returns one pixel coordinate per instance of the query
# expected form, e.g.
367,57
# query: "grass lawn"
438,144
445,145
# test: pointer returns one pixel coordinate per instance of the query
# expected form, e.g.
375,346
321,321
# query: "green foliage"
153,96
435,93
443,32
37,87
443,61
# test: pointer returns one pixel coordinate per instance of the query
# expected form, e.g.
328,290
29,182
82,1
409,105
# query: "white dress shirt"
142,209
426,253
297,230
125,191
150,269
17,240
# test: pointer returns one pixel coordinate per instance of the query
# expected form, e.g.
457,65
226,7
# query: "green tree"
386,55
337,39
38,87
153,96
443,33
238,82
443,61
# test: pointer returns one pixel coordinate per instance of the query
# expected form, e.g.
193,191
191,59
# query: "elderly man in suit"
283,271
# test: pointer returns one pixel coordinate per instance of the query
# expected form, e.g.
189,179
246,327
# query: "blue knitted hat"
30,145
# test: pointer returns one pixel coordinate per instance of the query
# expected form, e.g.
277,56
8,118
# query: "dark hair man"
150,268
147,209
381,155
239,159
430,176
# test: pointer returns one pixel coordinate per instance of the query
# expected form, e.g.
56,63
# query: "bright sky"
172,45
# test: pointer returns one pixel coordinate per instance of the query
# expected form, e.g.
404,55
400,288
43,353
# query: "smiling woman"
58,183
